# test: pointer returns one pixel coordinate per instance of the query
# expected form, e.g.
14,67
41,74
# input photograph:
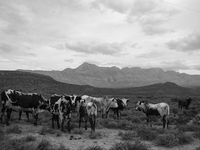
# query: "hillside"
31,82
113,77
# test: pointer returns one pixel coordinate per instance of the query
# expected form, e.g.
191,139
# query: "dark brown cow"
184,103
15,100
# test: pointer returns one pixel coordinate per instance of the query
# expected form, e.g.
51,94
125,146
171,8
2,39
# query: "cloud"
93,47
69,60
175,65
152,54
150,14
186,44
197,67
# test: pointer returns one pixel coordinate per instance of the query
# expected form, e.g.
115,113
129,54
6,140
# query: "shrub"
185,128
95,135
2,134
166,140
147,134
197,134
129,146
94,148
62,147
77,131
30,138
197,148
15,144
45,130
14,129
184,138
128,136
44,145
59,133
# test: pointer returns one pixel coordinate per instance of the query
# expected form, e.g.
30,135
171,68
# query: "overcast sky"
59,34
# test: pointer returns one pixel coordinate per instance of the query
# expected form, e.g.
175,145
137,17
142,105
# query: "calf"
87,111
184,103
160,109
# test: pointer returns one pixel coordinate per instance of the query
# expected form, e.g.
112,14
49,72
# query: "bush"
185,128
15,144
77,131
14,129
197,134
166,140
197,148
184,139
128,135
129,146
44,145
94,148
45,130
2,134
147,134
30,138
95,135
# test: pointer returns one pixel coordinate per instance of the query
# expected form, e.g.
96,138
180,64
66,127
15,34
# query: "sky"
59,34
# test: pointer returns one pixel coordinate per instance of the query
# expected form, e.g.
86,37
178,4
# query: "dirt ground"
79,142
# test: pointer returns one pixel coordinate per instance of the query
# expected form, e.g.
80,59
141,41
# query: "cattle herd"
62,106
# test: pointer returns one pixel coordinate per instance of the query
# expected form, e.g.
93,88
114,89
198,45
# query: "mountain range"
47,86
113,77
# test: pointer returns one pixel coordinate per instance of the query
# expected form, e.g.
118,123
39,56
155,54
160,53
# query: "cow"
103,104
161,109
184,103
88,111
122,104
15,100
60,107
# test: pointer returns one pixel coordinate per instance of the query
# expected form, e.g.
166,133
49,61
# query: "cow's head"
44,103
125,101
113,102
140,106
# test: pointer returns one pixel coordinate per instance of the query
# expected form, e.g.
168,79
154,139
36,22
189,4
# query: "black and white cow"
88,111
60,107
160,109
15,100
184,103
122,104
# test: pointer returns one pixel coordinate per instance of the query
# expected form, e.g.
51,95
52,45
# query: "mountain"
113,77
31,82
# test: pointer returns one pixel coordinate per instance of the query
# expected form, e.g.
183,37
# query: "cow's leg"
117,112
91,123
86,119
80,118
147,121
94,121
68,123
7,116
167,122
3,110
57,120
34,118
20,115
62,124
27,116
52,120
164,121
